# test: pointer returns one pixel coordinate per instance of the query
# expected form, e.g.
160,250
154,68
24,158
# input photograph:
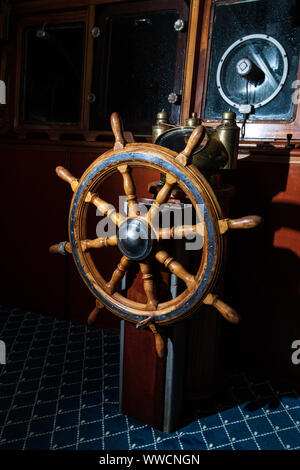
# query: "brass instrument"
219,148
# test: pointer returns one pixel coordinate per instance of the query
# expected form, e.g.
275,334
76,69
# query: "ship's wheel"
139,237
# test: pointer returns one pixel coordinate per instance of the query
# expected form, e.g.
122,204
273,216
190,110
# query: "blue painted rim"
141,157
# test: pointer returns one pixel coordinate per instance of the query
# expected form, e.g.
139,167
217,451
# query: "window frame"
78,16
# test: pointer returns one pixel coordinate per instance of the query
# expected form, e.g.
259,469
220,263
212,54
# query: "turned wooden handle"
95,313
162,197
181,231
65,247
60,248
164,193
149,286
249,221
105,208
118,274
99,243
225,310
159,342
129,188
117,128
53,249
194,139
65,175
176,268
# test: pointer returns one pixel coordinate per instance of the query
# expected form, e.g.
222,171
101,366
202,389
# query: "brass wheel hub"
134,239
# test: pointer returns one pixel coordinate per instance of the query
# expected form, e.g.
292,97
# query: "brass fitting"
161,125
193,121
228,133
212,155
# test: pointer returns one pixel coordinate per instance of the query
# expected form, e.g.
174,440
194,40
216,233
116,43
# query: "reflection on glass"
234,20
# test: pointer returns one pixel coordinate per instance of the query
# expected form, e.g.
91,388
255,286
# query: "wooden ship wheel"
146,249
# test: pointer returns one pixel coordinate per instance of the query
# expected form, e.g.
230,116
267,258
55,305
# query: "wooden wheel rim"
199,192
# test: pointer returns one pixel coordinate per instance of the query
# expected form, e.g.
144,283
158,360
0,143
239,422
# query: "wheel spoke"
195,138
129,189
149,286
159,341
176,268
162,197
61,248
95,312
117,128
105,208
118,274
225,310
249,221
181,232
99,243
65,247
66,176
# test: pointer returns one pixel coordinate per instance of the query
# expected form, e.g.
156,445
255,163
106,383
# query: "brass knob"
193,120
173,98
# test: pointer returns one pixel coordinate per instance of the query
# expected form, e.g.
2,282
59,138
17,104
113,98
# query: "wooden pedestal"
152,390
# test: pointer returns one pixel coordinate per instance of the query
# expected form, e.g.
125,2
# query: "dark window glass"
143,62
52,74
233,21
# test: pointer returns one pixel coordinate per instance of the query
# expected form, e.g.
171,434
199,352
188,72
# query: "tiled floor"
59,390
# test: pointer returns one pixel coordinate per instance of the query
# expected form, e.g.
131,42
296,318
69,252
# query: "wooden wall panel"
33,212
262,279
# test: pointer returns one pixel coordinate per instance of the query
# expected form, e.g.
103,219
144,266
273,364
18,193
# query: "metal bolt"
91,98
95,32
179,25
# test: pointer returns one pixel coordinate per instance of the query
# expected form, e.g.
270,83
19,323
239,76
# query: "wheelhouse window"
139,61
52,69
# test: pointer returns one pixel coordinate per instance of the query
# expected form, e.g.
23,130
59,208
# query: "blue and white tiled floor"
59,390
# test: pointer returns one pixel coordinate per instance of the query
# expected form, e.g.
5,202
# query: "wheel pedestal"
153,389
